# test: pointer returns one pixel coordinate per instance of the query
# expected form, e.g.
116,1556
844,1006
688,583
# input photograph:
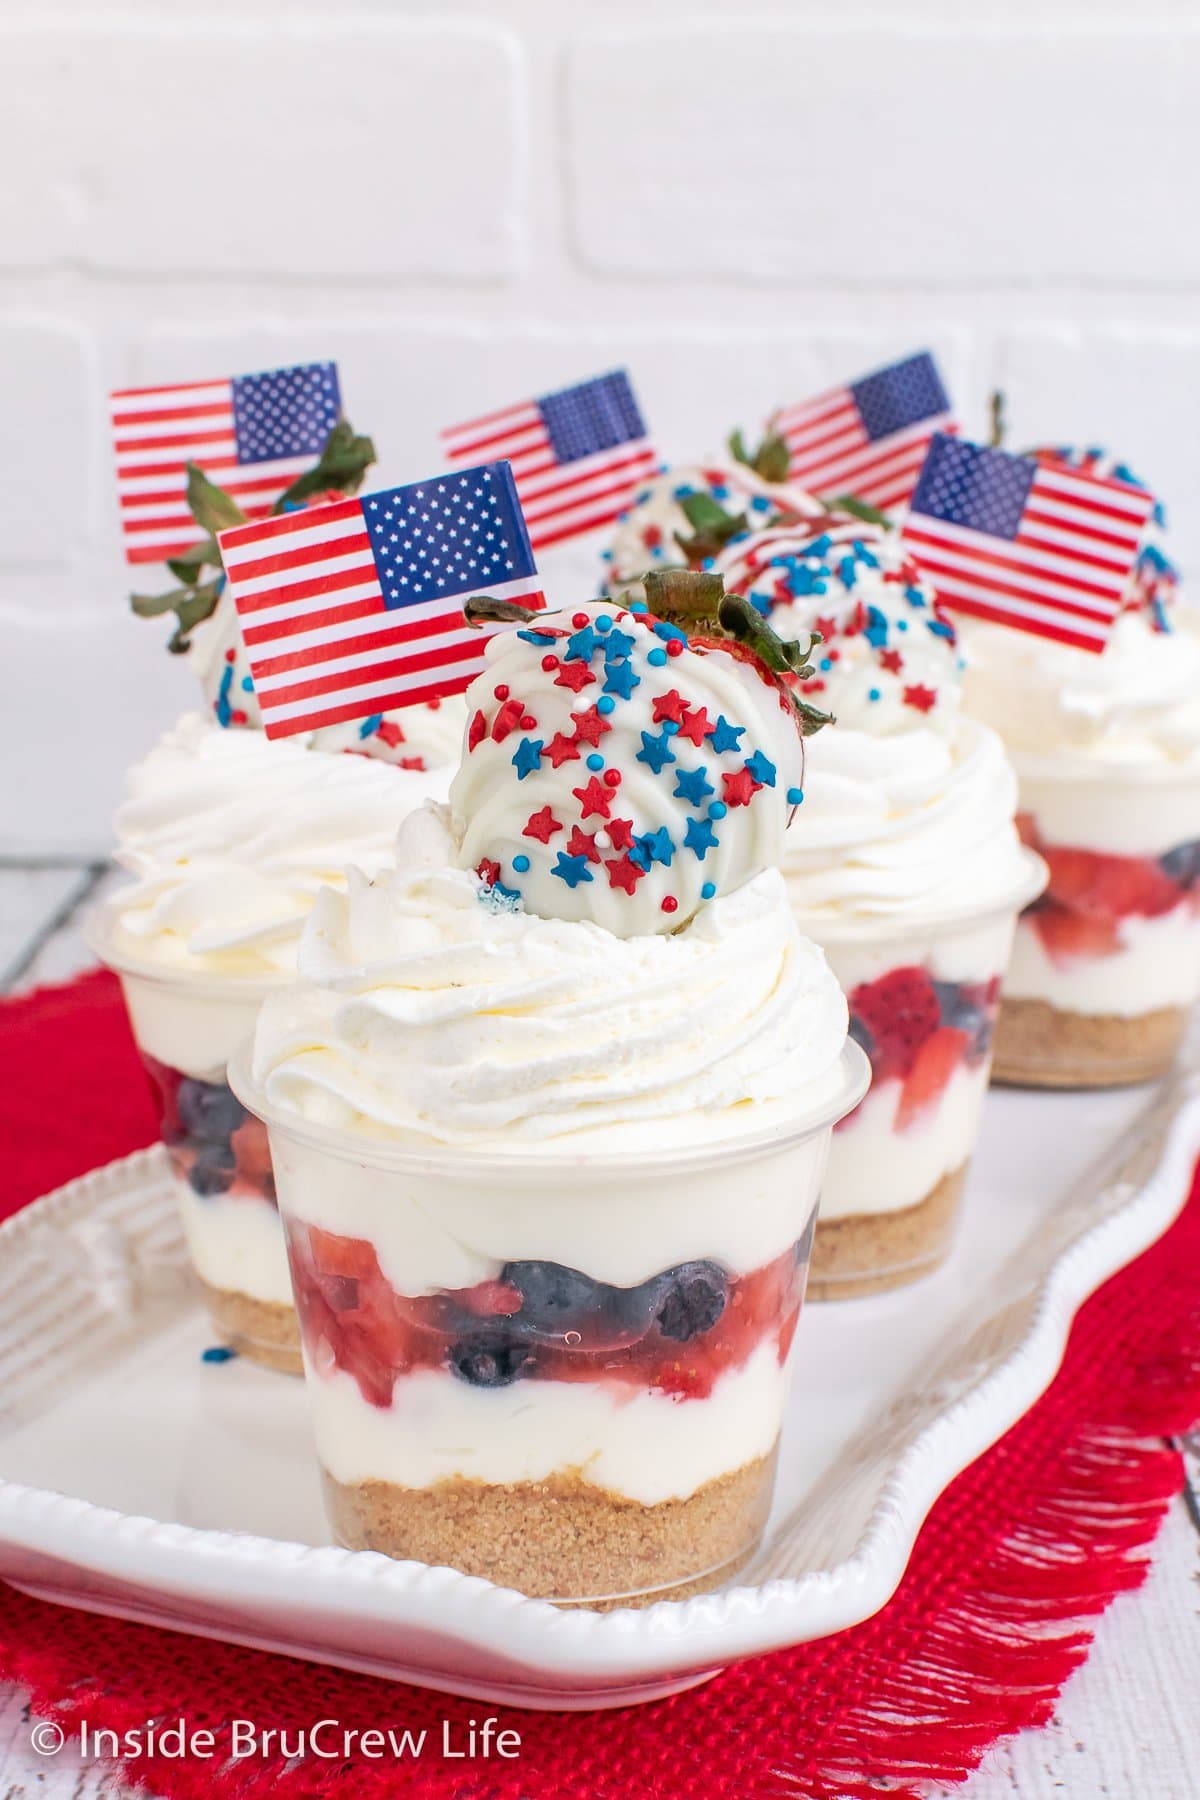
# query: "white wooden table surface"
1128,1724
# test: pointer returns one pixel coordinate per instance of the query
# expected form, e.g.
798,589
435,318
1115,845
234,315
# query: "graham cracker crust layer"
867,1253
564,1539
263,1331
1039,1046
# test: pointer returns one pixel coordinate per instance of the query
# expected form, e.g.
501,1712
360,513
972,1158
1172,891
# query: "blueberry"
692,1300
554,1299
961,1007
489,1360
209,1110
861,1034
1182,865
207,1178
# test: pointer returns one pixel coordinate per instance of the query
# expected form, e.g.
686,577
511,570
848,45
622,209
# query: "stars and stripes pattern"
1045,548
579,455
868,438
251,434
356,607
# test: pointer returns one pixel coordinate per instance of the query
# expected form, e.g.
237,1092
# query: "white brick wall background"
463,203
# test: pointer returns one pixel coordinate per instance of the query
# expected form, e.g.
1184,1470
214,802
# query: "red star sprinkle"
620,833
391,733
923,698
476,731
507,719
590,726
594,798
574,675
740,789
695,725
488,871
561,749
580,844
892,661
541,825
669,706
412,762
623,873
826,627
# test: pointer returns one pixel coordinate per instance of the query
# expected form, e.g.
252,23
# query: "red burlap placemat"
1035,1539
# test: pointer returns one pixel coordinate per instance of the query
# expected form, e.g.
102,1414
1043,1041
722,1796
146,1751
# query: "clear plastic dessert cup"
186,1026
1106,963
563,1372
923,1004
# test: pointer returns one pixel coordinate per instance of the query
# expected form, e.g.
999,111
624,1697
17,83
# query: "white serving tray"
139,1481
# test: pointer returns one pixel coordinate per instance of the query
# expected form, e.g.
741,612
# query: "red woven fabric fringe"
1024,1549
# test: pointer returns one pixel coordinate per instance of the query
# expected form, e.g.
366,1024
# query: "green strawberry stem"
698,603
341,467
712,527
997,412
771,461
486,609
858,509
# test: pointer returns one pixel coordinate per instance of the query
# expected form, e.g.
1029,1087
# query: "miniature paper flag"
1044,548
251,434
356,607
578,455
869,438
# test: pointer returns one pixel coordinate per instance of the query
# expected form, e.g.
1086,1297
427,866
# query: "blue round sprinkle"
657,657
717,810
521,864
217,1353
901,624
825,663
638,606
872,693
708,890
604,623
595,760
606,704
247,685
795,796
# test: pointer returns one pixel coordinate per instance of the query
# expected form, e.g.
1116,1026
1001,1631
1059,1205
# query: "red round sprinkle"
579,621
549,662
238,718
612,777
501,692
670,904
231,656
674,646
528,722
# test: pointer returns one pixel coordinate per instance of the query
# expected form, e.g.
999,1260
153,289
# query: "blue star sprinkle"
581,645
571,869
656,752
762,769
700,837
657,845
621,680
528,758
725,736
617,647
693,786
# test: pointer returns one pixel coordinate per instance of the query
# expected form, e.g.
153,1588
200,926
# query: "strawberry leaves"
343,465
770,461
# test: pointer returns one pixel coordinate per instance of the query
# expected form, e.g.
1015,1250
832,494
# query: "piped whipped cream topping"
230,836
619,773
414,737
888,662
425,1014
648,534
903,826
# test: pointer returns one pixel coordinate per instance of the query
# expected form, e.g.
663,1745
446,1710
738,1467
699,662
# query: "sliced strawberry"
900,1011
1072,874
1126,884
1069,937
934,1064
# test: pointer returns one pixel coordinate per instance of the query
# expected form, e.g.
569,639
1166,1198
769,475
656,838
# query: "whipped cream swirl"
230,836
903,827
425,1014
